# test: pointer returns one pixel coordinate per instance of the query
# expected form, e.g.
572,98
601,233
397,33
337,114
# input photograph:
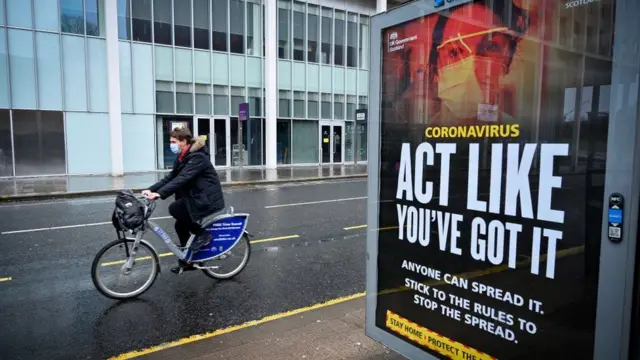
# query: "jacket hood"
199,143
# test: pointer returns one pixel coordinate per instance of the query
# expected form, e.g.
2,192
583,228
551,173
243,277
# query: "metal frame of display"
617,261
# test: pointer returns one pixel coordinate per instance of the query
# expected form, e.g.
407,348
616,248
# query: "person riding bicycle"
195,183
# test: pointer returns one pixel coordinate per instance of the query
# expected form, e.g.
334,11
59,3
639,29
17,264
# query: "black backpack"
129,212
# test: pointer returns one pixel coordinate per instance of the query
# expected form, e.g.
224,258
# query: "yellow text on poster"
434,341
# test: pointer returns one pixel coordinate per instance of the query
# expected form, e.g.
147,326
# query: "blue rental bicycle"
224,239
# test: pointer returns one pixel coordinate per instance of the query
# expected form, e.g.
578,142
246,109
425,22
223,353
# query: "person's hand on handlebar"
150,195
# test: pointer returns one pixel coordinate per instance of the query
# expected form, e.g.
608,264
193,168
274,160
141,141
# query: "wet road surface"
310,248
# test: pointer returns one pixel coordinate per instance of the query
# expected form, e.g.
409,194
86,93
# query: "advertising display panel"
494,118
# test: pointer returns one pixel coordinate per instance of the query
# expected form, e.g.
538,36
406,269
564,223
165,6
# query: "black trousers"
184,226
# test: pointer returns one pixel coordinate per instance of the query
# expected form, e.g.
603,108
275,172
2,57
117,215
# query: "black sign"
615,217
361,115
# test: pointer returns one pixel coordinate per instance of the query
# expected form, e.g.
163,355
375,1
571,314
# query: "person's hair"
182,133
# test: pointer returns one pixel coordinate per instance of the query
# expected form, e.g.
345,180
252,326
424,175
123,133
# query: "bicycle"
221,235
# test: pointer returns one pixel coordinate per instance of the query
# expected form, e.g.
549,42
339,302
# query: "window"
252,140
326,106
284,104
327,25
182,22
361,139
124,19
312,34
95,17
72,16
45,156
219,31
312,106
254,28
141,20
284,25
304,149
299,110
283,139
19,13
203,98
352,40
184,98
221,100
162,22
164,97
237,26
338,107
255,102
338,59
362,102
201,15
6,157
298,31
348,141
351,107
237,98
363,44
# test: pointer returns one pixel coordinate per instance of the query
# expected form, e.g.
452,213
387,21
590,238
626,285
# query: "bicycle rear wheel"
125,267
222,268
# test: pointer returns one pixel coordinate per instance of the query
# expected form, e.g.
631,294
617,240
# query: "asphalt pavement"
309,247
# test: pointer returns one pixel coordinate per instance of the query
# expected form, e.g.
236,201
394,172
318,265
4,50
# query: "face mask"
175,148
459,90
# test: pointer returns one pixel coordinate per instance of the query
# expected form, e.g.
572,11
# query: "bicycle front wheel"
127,271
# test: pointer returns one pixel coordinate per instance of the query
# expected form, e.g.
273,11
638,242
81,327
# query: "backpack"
129,213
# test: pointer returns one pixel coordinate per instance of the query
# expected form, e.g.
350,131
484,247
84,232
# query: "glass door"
217,132
222,142
325,143
331,143
337,143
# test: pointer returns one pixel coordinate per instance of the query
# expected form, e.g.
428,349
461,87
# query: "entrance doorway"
217,131
331,142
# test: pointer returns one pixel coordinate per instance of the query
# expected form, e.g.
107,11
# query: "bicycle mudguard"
225,231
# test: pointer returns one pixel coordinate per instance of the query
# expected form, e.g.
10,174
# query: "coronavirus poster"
485,221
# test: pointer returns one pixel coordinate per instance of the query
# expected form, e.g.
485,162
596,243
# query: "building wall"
178,61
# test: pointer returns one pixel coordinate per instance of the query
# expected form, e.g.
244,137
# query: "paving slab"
328,333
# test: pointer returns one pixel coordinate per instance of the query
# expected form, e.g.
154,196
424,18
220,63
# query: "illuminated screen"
493,140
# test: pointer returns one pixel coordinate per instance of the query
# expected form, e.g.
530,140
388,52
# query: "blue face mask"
175,148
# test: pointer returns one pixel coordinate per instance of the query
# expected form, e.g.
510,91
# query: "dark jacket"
195,180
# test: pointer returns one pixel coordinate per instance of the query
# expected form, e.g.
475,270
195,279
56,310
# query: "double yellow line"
119,262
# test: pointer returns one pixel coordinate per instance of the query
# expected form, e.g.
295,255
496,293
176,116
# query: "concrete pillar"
381,6
271,83
113,76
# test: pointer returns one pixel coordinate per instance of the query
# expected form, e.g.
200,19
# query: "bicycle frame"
226,230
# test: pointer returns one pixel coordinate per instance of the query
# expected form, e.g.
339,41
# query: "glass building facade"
179,62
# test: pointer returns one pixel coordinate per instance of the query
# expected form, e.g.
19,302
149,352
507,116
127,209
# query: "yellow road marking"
119,262
190,339
209,335
6,279
355,227
275,239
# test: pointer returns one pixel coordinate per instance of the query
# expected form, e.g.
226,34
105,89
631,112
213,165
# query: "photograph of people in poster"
494,118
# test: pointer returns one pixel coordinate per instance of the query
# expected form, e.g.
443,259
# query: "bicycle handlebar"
150,204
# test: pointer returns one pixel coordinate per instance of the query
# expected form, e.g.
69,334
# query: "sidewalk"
73,186
329,333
